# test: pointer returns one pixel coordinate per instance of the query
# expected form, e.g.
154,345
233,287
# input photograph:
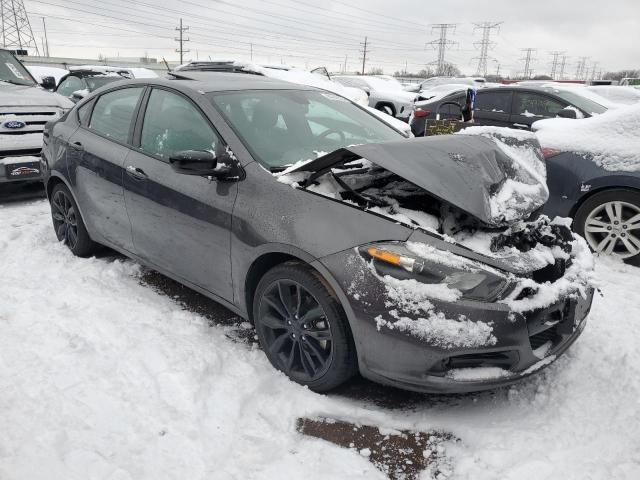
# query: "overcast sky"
308,33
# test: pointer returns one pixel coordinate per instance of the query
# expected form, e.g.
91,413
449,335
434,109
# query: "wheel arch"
381,104
601,189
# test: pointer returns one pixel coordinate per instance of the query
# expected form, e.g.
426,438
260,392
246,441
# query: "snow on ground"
101,377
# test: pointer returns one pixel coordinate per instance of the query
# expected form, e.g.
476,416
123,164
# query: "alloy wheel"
65,220
295,330
613,228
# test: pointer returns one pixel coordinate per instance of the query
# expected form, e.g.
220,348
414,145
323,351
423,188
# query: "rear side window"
173,124
535,105
498,102
70,85
113,113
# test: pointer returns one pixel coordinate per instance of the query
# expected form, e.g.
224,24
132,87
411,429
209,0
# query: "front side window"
282,127
497,102
113,113
70,85
534,105
173,124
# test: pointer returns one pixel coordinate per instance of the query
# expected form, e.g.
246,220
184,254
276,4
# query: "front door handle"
136,172
77,146
521,125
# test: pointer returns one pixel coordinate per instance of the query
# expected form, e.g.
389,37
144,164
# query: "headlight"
430,265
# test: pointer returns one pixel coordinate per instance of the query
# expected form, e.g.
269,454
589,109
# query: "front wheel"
68,223
302,328
610,222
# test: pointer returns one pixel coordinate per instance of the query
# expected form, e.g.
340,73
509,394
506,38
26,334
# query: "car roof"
220,82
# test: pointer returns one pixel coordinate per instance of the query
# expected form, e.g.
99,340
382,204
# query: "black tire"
68,223
386,108
309,336
598,201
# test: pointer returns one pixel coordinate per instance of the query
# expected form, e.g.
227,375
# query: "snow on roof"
612,138
136,72
39,72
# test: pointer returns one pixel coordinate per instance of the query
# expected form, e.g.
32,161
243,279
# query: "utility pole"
581,69
182,41
442,43
344,68
497,70
484,44
46,40
251,51
365,47
555,63
528,59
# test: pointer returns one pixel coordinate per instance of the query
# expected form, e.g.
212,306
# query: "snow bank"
613,138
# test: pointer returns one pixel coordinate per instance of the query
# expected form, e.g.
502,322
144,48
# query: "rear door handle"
521,125
136,172
77,146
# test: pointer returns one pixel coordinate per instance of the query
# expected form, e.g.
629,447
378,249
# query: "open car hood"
496,179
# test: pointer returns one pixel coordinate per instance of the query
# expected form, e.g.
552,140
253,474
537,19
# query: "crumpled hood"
498,181
26,96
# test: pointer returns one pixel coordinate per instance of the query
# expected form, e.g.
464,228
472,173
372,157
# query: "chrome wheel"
295,329
65,220
613,228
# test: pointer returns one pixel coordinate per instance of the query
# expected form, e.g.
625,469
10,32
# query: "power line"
528,59
484,44
442,43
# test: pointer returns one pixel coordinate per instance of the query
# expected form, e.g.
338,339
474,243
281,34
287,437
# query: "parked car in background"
80,81
384,95
223,182
509,106
25,108
630,82
40,72
593,173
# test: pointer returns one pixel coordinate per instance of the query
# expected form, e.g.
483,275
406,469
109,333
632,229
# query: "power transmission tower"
528,58
442,43
16,28
484,44
182,41
581,69
555,63
365,50
563,66
593,70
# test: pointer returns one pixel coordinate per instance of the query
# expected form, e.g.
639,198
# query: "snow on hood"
25,95
496,181
613,138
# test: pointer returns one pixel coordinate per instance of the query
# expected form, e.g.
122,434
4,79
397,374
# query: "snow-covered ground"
102,377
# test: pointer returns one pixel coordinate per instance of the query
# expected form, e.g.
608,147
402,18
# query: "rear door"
97,152
529,107
181,223
493,107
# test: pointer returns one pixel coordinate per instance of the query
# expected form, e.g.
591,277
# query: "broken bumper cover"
518,344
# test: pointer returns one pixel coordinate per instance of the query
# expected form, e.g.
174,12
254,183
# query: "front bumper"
521,344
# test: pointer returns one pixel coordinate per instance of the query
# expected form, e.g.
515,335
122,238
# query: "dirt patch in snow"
401,455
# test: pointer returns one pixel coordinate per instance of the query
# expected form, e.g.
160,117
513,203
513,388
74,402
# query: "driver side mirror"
568,113
199,162
48,83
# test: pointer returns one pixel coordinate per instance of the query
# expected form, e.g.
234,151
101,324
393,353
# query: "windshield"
12,71
96,82
583,103
282,127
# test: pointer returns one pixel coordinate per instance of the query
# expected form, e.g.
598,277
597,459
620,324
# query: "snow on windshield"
611,138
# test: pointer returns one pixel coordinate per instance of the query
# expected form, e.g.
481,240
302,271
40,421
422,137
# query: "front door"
181,223
98,150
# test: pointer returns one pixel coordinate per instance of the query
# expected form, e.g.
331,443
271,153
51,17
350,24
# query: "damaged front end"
485,291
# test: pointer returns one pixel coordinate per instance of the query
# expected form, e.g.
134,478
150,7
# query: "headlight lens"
437,266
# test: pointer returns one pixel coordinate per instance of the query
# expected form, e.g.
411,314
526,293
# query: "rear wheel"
302,328
68,223
610,222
